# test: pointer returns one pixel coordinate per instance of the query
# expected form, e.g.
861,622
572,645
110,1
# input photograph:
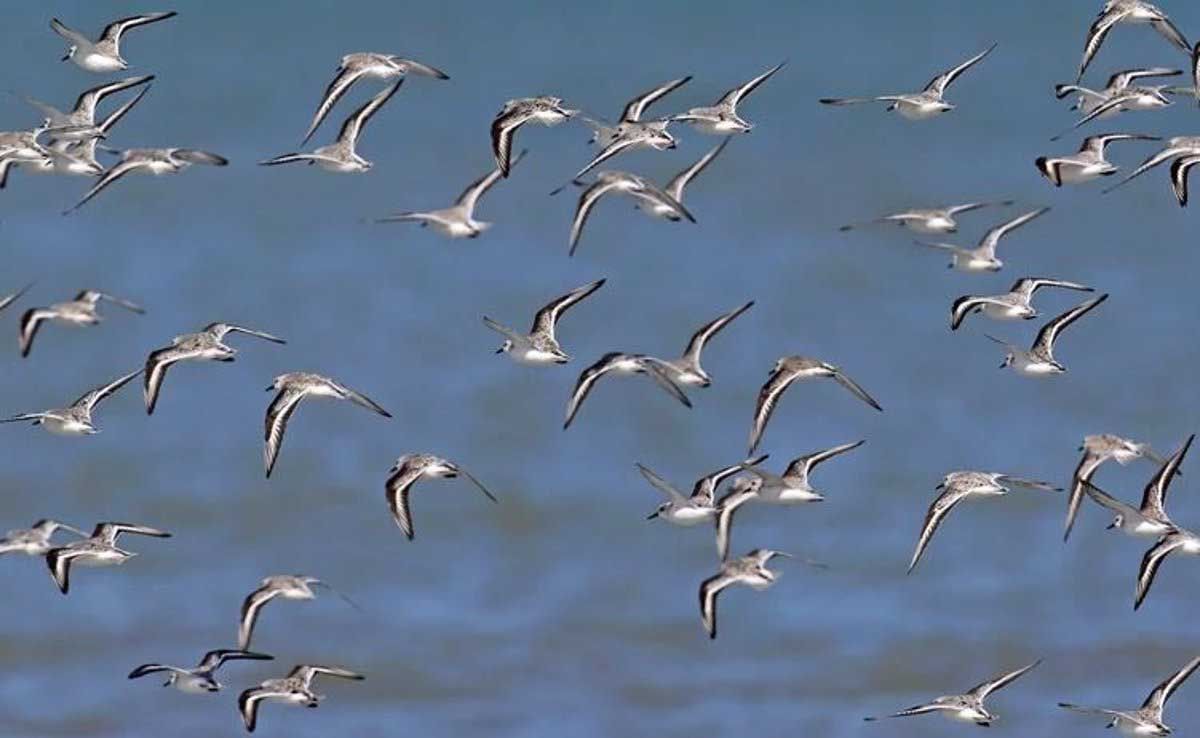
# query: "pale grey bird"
983,258
207,345
964,485
967,707
342,155
82,117
98,550
295,689
75,419
621,183
1179,147
103,56
785,372
1039,360
540,346
545,109
721,118
291,389
150,161
200,679
622,364
929,220
632,132
458,220
749,570
36,540
686,370
1098,449
700,506
1128,11
1088,163
654,207
411,468
363,65
79,312
1150,520
279,586
927,103
1148,719
1016,304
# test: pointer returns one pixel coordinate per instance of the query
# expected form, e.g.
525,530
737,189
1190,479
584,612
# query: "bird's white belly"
1078,173
1148,529
931,226
972,264
94,62
535,356
61,427
691,515
968,715
796,496
918,111
341,167
1007,312
191,685
1036,368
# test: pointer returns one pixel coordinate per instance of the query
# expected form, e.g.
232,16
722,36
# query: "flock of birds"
73,140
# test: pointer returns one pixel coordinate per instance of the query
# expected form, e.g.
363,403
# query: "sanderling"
36,540
295,689
619,363
540,346
207,345
458,220
200,679
286,586
927,103
1016,304
1088,163
76,419
1039,360
361,65
982,258
721,118
967,707
81,311
1098,449
786,371
342,155
103,55
98,550
410,468
1148,719
1128,11
545,109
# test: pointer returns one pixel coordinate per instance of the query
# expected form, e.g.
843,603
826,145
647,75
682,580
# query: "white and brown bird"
788,370
291,389
958,486
929,221
1128,11
79,312
100,549
1148,719
150,161
633,131
279,586
1150,519
407,471
1039,360
200,679
540,346
75,419
342,155
721,118
1098,449
458,220
642,190
545,110
983,258
364,65
749,570
968,707
928,103
207,345
1088,163
1016,304
294,689
36,540
621,364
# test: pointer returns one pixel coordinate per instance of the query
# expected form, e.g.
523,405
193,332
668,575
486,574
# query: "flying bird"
749,570
656,208
295,689
1098,449
621,183
207,345
545,109
686,370
363,65
1088,163
540,346
1128,11
103,56
631,132
290,390
80,312
983,258
927,103
700,506
75,419
786,371
200,679
36,540
411,468
721,118
967,707
1148,719
1016,304
98,550
279,586
458,220
1150,520
150,161
342,155
1039,360
621,364
929,220
958,486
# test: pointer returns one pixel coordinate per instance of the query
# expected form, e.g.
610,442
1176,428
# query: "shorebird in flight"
929,220
150,161
1148,719
982,258
78,158
99,550
631,132
1088,163
700,506
362,65
200,679
686,370
721,118
458,220
786,371
927,103
1098,449
1128,11
76,419
1039,360
749,570
1016,304
1118,83
1150,520
81,120
207,345
294,689
621,364
540,346
290,390
36,540
658,209
1178,148
963,485
407,471
967,707
546,110
622,183
281,586
342,155
103,56
79,312
792,487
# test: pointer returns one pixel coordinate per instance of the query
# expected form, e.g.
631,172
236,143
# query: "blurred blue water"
560,611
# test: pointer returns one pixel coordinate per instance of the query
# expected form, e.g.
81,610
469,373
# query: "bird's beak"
500,350
652,515
270,388
1111,525
66,56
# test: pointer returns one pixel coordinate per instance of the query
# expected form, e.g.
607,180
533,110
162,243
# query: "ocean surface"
560,611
